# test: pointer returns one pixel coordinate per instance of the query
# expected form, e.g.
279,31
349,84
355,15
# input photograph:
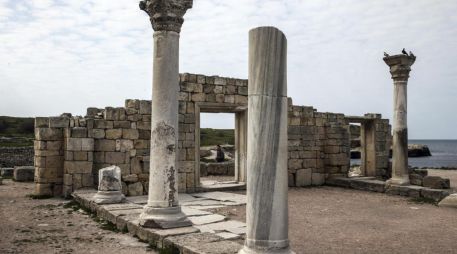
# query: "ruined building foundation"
267,202
400,66
162,209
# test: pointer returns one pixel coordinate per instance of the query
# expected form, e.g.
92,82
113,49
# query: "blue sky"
65,56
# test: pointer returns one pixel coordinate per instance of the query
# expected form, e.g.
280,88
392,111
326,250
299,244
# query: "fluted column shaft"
267,203
162,209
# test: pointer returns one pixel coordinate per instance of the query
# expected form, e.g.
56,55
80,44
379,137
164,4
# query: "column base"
247,250
265,246
109,197
163,218
398,181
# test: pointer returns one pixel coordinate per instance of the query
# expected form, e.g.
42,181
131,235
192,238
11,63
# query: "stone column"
162,209
400,66
267,210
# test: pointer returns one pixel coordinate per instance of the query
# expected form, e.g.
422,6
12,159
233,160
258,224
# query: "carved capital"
400,66
166,15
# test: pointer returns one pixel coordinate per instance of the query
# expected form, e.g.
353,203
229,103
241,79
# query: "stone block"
416,179
124,145
87,180
295,164
198,97
96,133
59,122
408,191
24,174
303,177
449,201
132,178
121,124
103,124
190,180
105,145
434,194
78,132
80,156
54,145
317,179
48,134
77,167
130,103
54,162
87,144
145,107
113,134
73,144
130,134
229,99
41,122
135,189
436,182
142,125
114,157
7,172
43,189
241,99
243,90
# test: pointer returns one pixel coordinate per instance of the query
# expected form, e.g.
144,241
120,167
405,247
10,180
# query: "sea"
444,154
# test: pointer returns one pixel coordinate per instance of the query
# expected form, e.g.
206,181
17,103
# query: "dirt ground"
336,220
49,226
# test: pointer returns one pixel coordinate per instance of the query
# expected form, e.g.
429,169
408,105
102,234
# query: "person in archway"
220,156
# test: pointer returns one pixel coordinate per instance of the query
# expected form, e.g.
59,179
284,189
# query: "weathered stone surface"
449,201
7,172
436,182
109,179
303,177
24,173
405,190
109,186
434,194
135,189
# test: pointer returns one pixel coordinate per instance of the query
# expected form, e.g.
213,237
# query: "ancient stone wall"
16,156
69,151
318,145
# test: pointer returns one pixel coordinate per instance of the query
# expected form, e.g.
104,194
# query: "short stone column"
267,207
162,209
109,186
400,66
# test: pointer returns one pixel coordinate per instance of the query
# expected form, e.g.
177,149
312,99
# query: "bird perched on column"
404,52
411,54
386,55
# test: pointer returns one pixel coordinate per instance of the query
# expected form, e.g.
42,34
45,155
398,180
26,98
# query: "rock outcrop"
416,150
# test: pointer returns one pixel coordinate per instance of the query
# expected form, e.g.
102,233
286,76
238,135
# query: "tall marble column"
400,66
267,207
162,209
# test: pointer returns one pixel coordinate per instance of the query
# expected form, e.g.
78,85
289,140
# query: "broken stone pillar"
162,209
267,210
109,186
400,66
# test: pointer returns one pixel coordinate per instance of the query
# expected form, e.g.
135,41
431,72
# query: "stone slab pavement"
211,233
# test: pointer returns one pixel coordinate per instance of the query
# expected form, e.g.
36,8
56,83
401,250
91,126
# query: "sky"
64,56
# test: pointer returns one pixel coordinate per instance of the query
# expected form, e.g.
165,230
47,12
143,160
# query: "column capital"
166,15
400,66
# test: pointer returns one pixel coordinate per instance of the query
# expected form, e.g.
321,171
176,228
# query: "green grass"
210,137
20,129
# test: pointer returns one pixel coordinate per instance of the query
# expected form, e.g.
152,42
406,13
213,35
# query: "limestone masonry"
69,151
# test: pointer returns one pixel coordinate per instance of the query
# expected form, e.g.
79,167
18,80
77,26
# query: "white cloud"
68,55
